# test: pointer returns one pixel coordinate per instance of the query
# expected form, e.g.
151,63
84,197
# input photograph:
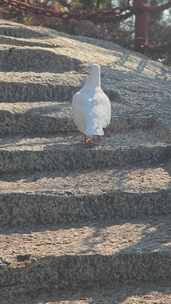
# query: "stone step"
30,86
145,294
35,59
38,87
13,29
44,118
14,41
24,154
152,96
94,255
108,195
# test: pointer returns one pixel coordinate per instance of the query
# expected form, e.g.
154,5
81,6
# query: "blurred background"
112,20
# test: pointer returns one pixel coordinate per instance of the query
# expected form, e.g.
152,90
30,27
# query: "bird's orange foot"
88,141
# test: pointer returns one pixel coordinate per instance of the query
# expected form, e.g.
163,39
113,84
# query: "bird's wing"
78,112
102,109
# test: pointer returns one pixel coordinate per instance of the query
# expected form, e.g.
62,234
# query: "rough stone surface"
14,41
69,153
8,28
146,294
141,84
133,192
98,254
75,216
31,86
35,59
44,118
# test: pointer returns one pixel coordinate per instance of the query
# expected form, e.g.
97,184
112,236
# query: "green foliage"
103,3
95,3
87,3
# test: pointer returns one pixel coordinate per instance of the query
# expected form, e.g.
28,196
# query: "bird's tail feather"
94,131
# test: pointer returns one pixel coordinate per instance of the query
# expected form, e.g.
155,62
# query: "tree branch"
153,8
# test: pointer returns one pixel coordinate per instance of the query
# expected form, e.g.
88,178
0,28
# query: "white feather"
91,108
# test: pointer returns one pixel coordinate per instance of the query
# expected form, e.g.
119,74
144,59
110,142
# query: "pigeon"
91,107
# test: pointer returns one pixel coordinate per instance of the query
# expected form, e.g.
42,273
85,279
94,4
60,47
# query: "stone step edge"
27,209
33,122
13,161
87,271
158,293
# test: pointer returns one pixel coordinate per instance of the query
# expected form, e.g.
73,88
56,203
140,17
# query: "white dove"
91,108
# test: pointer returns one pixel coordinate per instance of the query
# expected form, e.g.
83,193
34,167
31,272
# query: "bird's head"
93,79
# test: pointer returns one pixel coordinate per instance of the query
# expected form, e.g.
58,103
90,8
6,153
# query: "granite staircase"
82,224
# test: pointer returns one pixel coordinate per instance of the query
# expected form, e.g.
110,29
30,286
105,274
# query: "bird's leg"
108,132
88,140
